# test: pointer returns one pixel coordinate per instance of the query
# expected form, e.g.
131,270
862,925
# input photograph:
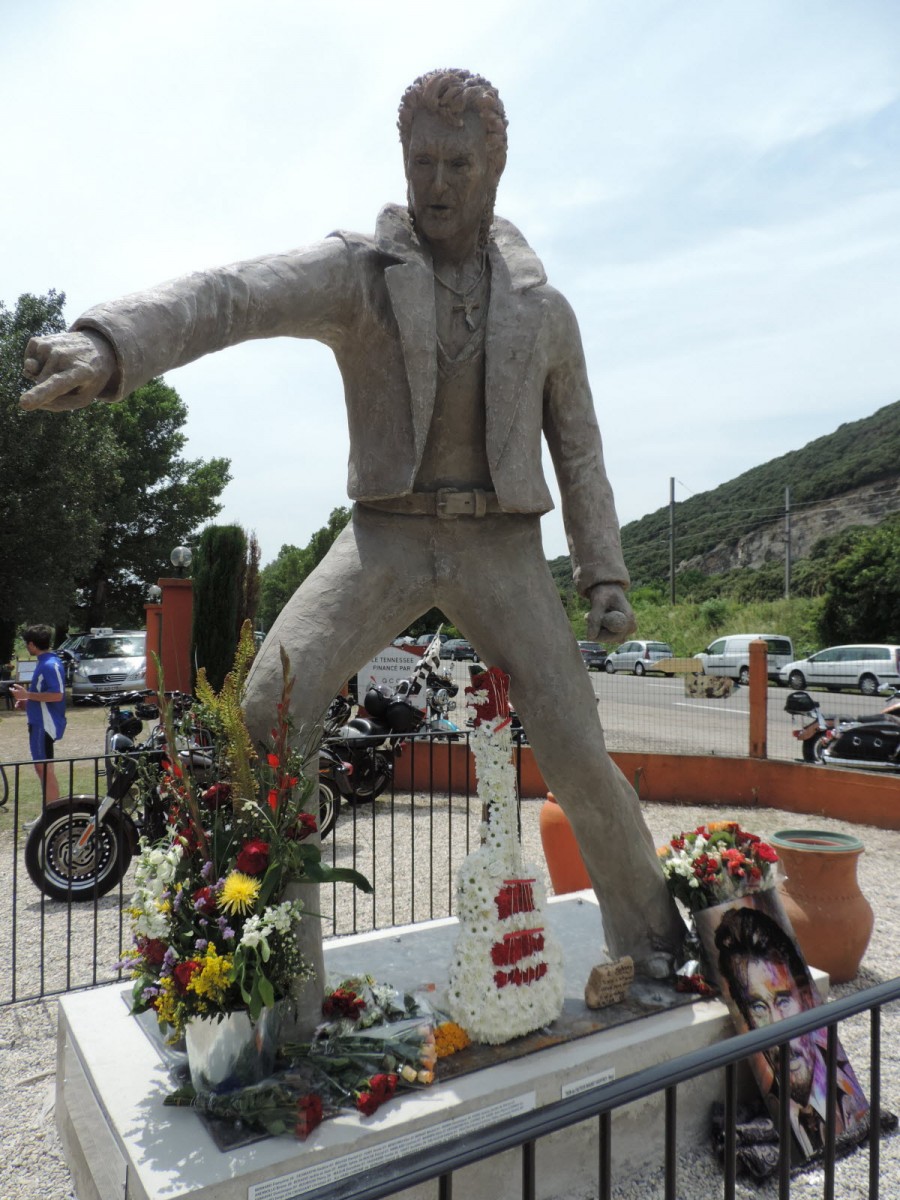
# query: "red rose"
309,1115
273,799
216,795
343,1003
272,760
204,900
306,825
254,857
766,852
367,1103
184,972
152,950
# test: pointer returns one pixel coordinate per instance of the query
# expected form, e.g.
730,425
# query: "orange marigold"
450,1037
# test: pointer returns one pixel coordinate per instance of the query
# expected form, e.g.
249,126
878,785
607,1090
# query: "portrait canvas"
752,954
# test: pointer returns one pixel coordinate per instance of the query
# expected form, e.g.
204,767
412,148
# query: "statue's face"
450,179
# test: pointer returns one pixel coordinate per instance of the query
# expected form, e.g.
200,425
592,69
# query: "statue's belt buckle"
450,503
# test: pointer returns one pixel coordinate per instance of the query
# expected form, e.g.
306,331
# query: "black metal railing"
524,1131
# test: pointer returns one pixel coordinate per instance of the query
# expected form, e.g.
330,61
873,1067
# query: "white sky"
714,184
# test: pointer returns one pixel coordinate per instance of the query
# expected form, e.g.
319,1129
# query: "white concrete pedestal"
121,1141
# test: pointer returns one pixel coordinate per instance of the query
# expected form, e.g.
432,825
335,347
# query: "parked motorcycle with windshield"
369,742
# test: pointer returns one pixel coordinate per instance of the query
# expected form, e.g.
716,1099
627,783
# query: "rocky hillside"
849,477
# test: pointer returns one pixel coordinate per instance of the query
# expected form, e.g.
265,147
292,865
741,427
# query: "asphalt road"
652,712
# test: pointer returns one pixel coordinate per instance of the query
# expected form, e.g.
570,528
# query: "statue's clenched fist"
71,370
611,618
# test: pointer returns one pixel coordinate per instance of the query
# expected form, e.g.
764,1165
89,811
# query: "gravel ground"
33,1168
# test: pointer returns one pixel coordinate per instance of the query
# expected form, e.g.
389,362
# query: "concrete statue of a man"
456,355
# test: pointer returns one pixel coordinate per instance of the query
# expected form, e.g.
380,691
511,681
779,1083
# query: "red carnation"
184,972
253,857
152,950
367,1103
309,1115
383,1086
204,900
766,853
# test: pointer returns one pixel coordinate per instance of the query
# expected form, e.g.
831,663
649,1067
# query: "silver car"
639,657
863,667
111,662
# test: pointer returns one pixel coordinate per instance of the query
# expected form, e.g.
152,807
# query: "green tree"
54,466
862,601
152,500
280,578
219,571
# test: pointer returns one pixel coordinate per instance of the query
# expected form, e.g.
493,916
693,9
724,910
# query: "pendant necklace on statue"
468,301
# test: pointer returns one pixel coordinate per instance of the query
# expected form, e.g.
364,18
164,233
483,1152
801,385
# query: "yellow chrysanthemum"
239,893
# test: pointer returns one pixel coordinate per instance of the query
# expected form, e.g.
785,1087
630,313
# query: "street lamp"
154,593
181,558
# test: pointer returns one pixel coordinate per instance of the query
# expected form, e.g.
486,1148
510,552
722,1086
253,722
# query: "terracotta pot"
567,870
831,917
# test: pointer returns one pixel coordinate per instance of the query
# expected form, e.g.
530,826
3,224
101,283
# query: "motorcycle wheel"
812,749
373,780
58,868
329,807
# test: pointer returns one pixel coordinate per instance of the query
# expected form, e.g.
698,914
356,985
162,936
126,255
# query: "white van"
730,656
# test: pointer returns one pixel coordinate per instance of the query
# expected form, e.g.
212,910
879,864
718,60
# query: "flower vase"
831,917
232,1051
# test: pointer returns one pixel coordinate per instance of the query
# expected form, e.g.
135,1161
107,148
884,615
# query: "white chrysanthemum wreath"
506,979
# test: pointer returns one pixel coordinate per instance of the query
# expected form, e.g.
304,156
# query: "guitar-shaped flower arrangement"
506,978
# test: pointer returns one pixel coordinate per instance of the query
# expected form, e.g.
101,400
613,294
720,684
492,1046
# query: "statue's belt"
445,503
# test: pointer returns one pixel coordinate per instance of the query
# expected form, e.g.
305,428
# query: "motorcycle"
871,741
81,846
369,742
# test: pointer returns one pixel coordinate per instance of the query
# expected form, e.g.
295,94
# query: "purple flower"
227,932
168,962
201,944
148,994
206,870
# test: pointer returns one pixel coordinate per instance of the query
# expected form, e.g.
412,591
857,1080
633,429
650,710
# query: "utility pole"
671,539
787,542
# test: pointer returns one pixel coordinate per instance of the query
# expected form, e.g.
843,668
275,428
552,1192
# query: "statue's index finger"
58,393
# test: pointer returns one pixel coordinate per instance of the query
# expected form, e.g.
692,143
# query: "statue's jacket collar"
512,326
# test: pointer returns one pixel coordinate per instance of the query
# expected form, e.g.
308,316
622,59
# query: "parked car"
111,662
639,657
427,638
69,651
593,654
458,650
730,656
866,667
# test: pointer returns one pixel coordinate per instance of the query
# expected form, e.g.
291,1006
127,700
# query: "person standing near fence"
45,706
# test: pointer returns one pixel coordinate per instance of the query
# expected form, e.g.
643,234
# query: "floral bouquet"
716,863
212,934
374,1043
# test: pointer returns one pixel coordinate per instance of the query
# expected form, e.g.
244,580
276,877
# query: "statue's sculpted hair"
450,93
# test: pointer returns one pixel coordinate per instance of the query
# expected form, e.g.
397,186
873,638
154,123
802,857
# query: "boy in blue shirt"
45,706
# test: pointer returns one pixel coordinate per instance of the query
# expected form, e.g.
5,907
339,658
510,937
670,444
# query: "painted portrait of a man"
765,980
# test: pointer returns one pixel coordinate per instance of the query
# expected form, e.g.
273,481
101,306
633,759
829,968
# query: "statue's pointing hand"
71,370
611,618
